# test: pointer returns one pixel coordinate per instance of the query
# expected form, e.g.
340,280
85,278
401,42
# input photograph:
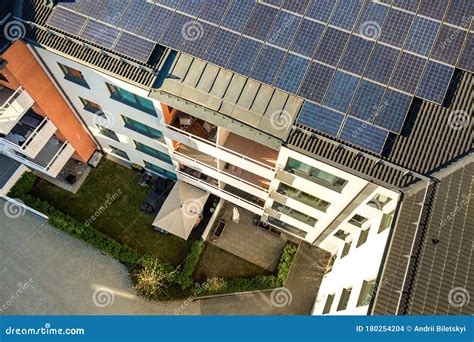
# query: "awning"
181,210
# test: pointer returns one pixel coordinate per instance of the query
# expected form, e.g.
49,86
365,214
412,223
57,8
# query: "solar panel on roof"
276,3
367,101
238,14
261,21
173,36
356,55
320,10
66,21
381,63
433,9
373,14
448,44
222,47
409,5
362,134
408,72
320,118
291,73
341,91
213,10
72,5
295,6
100,34
135,15
156,23
91,8
244,56
284,29
191,7
169,3
113,11
422,36
316,82
460,13
267,65
331,46
345,14
435,82
307,38
466,61
134,47
396,27
199,36
393,110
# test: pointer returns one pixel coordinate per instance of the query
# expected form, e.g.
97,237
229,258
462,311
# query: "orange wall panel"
23,68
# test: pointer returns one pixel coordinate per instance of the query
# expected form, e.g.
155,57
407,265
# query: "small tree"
152,278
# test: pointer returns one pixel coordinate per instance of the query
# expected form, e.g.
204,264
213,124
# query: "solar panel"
364,135
260,22
422,36
66,21
238,14
276,3
112,11
298,6
408,72
284,29
356,55
307,38
135,15
191,7
320,118
100,34
435,82
395,28
372,14
433,9
291,73
466,61
345,14
168,3
156,23
409,5
331,46
367,101
91,8
448,44
198,36
71,5
213,10
173,36
221,48
320,10
316,82
267,65
381,63
244,56
393,110
460,13
134,47
341,91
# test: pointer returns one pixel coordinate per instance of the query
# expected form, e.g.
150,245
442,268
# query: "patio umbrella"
181,209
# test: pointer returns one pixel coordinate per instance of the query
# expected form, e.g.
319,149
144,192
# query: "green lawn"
216,262
121,220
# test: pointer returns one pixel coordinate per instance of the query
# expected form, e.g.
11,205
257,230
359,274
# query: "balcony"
247,176
195,126
14,105
31,134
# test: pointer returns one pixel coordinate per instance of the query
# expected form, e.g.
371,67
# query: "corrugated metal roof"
433,136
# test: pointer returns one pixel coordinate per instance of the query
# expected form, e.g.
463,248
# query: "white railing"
13,109
220,147
39,138
60,159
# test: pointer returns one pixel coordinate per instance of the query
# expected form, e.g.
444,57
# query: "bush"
23,186
285,262
152,278
184,277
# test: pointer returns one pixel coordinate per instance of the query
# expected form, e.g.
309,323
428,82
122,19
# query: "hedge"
184,277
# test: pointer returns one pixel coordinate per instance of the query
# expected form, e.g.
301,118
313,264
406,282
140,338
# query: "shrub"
285,262
23,186
184,277
152,278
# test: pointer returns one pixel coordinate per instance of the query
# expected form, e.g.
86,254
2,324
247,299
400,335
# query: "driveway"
44,271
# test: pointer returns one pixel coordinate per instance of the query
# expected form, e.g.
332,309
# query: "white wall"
99,93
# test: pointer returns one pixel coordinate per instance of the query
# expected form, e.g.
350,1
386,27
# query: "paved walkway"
247,241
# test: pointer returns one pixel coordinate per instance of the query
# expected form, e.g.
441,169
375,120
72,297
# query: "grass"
122,220
216,262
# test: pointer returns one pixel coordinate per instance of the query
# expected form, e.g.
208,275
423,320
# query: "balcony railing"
220,147
13,109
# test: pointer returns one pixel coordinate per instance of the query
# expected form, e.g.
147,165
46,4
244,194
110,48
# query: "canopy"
181,209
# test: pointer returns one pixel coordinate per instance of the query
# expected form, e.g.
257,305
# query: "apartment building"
182,117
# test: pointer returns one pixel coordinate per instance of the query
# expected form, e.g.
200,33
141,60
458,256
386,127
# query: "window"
142,129
108,133
285,226
386,221
340,234
153,152
327,306
131,99
345,250
321,177
73,75
3,78
357,220
158,170
362,237
367,292
294,214
303,197
92,107
346,294
119,153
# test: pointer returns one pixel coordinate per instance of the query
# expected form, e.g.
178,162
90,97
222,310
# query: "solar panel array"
358,63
